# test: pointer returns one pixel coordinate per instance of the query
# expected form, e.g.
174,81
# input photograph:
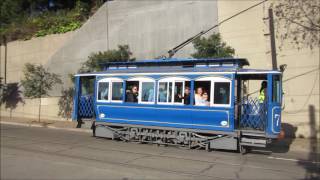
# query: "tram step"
86,123
253,133
253,142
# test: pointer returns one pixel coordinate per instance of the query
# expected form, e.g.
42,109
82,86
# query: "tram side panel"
167,116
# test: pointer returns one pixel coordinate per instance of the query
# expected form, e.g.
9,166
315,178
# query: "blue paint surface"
205,118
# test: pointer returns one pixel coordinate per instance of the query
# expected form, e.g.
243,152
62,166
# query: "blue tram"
198,103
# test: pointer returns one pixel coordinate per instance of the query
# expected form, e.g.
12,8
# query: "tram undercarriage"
241,141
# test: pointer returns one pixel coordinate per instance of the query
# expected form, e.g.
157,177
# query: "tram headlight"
224,123
101,115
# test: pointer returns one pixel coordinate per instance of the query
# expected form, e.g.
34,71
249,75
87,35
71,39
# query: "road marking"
294,160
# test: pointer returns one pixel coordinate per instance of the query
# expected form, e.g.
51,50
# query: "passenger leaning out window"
186,97
132,95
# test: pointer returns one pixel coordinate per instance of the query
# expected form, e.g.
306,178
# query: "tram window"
202,94
103,91
173,92
87,86
221,92
187,92
116,91
276,89
147,92
162,93
178,92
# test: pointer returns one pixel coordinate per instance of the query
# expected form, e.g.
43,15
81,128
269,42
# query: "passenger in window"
132,96
205,98
186,96
198,99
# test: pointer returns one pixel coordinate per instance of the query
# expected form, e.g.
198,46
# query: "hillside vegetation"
24,19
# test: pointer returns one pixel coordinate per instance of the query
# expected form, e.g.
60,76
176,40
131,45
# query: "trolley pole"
272,41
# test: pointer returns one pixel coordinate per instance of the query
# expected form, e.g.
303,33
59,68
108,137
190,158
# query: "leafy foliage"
298,21
66,103
94,63
38,81
24,19
211,47
96,60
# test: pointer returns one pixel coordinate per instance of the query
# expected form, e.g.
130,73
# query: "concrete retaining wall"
150,28
36,50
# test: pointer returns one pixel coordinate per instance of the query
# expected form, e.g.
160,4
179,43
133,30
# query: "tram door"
251,112
84,98
274,105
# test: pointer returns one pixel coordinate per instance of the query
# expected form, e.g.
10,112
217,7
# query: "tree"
66,103
38,82
94,63
96,60
211,47
298,21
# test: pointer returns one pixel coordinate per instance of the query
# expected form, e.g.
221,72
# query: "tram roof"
181,70
188,62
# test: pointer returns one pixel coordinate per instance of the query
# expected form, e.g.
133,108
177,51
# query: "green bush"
24,26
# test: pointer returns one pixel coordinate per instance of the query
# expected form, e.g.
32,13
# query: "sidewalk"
279,146
66,125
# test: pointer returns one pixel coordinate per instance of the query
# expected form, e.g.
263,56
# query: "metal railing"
253,114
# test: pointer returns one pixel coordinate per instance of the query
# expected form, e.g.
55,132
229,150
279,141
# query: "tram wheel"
243,149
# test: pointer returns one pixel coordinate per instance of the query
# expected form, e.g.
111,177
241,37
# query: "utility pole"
272,41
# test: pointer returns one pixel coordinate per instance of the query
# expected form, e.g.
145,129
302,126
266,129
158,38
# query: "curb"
49,127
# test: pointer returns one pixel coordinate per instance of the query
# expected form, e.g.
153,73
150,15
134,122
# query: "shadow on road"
283,145
12,96
313,166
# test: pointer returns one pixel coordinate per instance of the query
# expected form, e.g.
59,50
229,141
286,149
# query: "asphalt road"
40,153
